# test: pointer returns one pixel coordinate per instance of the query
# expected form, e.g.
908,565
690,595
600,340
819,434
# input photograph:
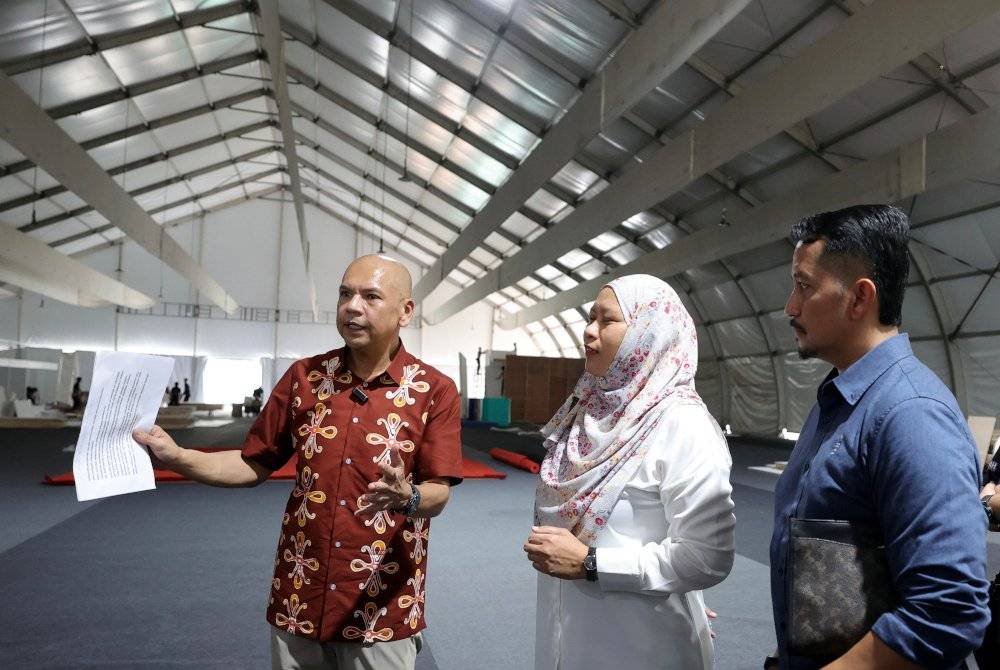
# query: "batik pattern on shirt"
344,572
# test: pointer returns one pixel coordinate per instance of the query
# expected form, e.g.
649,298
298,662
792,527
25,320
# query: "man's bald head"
386,271
375,302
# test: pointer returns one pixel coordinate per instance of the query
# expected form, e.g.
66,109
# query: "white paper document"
125,393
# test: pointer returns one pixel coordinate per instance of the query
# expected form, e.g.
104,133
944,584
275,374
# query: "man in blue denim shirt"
885,444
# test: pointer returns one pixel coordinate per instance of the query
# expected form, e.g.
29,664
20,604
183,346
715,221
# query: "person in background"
885,445
187,391
988,655
257,400
634,515
175,394
77,394
377,435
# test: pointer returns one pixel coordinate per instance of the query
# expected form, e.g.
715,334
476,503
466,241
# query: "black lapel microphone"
359,396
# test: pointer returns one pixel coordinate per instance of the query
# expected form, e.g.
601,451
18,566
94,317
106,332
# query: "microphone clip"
358,395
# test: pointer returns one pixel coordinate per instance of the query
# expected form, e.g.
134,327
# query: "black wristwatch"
990,517
590,564
413,503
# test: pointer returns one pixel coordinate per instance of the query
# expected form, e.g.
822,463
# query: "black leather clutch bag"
840,585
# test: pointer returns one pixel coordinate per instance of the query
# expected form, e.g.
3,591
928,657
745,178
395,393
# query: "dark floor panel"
178,574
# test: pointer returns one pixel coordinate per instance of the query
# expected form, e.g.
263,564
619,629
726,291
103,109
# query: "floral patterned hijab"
596,441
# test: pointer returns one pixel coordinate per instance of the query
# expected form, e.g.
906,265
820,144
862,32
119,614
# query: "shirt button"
781,571
343,502
365,384
336,544
354,420
347,460
333,587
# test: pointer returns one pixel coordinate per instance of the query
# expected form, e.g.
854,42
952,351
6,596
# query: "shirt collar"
395,370
398,362
856,379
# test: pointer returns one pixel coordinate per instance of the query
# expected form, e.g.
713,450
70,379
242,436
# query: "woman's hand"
991,490
556,552
712,615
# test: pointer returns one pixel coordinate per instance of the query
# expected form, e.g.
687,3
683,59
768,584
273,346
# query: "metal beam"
34,266
935,71
87,46
170,205
371,151
421,54
135,165
621,11
274,44
961,151
404,199
673,33
86,209
150,85
879,39
104,244
27,127
330,53
140,128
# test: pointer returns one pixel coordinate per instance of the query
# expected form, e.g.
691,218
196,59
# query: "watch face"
590,563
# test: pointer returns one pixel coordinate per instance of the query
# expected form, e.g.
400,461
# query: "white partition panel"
155,334
52,324
9,317
235,339
240,245
300,340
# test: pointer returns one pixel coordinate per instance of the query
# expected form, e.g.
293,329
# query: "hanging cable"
409,86
385,158
41,78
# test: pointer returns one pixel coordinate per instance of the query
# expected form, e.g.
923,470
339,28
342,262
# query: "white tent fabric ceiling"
174,99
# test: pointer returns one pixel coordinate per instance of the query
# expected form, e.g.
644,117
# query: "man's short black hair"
874,239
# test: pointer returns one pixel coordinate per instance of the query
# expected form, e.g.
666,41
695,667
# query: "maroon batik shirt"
341,573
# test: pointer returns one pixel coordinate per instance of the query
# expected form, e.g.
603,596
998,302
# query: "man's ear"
406,314
864,299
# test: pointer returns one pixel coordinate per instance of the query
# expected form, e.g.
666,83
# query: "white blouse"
671,534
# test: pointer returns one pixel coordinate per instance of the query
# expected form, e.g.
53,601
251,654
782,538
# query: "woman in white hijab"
633,512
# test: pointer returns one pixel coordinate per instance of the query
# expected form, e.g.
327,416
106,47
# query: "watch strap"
414,502
590,564
990,517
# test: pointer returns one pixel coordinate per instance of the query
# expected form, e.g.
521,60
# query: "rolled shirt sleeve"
269,442
926,481
439,455
697,503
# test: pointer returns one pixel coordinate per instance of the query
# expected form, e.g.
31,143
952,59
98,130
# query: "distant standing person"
175,394
187,391
77,394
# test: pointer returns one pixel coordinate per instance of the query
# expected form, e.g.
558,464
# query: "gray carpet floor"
176,577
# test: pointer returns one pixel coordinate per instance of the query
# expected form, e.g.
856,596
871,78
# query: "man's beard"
804,353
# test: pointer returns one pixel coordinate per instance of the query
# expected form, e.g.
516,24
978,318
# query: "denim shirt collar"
857,378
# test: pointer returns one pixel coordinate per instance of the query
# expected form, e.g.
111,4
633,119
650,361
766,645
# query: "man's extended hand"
160,445
557,552
393,490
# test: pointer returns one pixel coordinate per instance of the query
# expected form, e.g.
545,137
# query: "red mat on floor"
516,460
471,469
